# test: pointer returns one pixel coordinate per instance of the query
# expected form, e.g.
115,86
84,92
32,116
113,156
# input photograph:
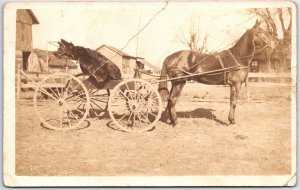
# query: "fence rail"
282,75
30,80
270,77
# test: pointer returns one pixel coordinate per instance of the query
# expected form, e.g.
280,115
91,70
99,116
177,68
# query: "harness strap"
218,57
233,57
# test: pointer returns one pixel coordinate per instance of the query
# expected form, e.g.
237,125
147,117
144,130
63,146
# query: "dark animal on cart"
92,63
100,70
185,63
134,105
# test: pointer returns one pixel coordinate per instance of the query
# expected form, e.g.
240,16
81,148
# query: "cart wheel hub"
133,105
60,102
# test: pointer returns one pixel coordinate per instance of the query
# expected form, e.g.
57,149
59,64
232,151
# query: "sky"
115,23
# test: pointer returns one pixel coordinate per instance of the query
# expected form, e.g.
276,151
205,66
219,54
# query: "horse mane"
245,45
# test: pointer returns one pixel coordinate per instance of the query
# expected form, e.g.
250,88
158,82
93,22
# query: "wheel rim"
61,102
135,106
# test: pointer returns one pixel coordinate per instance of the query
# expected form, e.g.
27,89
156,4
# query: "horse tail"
163,85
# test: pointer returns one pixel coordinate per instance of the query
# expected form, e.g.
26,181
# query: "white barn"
124,61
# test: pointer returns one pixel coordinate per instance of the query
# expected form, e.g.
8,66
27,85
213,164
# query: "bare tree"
274,20
193,38
268,18
285,47
286,30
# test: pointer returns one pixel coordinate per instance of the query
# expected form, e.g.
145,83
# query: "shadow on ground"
196,113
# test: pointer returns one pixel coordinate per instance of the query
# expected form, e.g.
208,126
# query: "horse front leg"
174,94
234,93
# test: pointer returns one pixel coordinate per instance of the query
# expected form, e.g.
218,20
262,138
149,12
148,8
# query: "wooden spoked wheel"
98,102
61,102
135,105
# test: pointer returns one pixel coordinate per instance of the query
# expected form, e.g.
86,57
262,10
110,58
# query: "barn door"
25,60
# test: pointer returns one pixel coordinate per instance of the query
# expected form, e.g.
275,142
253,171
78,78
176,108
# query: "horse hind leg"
247,90
234,93
174,94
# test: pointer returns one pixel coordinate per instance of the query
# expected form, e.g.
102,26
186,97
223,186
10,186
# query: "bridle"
65,52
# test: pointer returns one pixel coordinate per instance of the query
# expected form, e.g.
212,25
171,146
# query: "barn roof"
123,54
151,66
53,60
34,19
22,15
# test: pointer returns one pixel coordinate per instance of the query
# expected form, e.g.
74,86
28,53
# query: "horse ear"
257,23
64,42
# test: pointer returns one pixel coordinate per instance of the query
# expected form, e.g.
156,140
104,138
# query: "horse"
99,68
185,62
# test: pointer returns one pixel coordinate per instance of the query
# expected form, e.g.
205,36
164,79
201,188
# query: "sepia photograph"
191,93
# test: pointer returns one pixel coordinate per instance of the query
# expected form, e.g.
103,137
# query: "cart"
63,102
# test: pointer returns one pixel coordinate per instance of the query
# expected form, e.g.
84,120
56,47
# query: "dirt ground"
203,144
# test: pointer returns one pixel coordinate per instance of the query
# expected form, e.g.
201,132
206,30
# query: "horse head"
262,36
65,49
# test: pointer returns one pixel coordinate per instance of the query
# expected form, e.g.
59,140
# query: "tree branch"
271,22
281,20
290,24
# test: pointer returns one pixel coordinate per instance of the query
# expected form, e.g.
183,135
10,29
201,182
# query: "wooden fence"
30,80
270,77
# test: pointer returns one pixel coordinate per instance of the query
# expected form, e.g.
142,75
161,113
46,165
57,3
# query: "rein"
246,56
231,55
239,57
229,69
213,73
54,43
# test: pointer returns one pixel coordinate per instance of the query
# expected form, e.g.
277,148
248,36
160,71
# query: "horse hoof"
175,125
232,122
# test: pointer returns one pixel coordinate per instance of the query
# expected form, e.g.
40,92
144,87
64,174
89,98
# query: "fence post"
18,81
